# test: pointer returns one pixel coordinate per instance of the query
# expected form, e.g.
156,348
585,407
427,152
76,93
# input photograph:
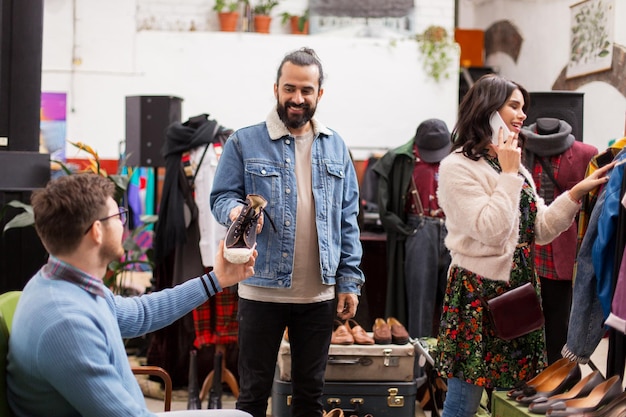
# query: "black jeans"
261,326
556,301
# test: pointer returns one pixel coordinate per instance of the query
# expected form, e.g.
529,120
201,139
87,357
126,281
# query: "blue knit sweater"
66,352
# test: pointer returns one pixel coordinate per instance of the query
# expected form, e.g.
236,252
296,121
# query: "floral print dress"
467,347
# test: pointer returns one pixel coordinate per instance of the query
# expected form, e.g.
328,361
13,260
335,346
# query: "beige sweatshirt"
482,214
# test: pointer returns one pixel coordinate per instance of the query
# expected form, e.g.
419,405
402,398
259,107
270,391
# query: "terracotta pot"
228,21
295,26
262,23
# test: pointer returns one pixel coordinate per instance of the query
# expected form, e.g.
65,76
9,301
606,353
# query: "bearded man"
312,252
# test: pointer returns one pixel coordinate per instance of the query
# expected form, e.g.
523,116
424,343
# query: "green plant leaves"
24,219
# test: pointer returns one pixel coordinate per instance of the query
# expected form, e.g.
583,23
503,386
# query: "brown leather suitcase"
359,362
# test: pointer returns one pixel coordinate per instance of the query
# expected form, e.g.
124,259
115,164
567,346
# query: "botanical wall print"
591,49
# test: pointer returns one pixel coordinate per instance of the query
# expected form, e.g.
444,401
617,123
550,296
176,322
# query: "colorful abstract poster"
53,125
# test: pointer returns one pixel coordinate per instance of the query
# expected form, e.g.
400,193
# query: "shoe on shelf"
601,395
538,379
560,381
360,335
382,332
335,412
341,334
616,408
541,404
399,335
241,235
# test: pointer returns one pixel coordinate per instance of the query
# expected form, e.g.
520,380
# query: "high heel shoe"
360,335
602,394
560,381
616,408
541,404
538,379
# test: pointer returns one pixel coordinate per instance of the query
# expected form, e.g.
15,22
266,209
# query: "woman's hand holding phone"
505,145
496,123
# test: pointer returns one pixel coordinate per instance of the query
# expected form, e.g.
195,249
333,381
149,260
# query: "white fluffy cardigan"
482,215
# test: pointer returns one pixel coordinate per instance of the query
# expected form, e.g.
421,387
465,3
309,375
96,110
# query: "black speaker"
147,119
21,34
562,105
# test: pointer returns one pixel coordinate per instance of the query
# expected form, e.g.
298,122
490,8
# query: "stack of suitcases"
363,380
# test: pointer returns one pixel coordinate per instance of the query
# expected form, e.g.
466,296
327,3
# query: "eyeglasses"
123,214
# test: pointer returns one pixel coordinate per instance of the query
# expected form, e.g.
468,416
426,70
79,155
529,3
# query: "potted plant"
299,23
437,50
262,18
227,14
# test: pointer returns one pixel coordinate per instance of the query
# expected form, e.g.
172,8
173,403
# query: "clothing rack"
616,355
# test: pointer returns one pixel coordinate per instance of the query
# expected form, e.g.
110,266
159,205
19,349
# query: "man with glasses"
66,350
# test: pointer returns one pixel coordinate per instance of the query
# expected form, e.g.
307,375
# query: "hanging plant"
437,49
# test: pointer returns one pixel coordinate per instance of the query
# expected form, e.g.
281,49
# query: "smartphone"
496,123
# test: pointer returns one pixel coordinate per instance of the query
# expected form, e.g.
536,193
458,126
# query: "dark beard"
295,122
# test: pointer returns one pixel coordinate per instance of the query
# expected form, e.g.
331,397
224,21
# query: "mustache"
297,106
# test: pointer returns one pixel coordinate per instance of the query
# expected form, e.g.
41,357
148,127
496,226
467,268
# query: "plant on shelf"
437,50
299,23
265,7
230,6
262,18
227,14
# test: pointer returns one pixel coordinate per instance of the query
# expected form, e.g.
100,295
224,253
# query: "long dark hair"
472,132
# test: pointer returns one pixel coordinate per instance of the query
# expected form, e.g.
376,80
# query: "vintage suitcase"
360,362
378,399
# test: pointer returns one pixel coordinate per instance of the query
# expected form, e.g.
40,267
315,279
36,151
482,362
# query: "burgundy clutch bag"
516,312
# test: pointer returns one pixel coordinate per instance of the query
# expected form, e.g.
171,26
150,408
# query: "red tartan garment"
544,260
221,327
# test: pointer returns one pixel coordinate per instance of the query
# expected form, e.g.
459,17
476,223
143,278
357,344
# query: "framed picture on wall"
591,37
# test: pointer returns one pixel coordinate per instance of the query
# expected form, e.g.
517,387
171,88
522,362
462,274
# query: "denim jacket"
259,159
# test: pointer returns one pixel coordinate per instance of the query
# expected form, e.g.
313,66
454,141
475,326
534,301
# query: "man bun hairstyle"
302,57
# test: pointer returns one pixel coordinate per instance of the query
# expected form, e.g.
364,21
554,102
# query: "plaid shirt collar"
57,269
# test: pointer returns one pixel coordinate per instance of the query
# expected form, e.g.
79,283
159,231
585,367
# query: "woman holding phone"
493,216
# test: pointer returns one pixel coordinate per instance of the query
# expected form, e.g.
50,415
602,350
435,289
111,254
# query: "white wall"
545,28
375,92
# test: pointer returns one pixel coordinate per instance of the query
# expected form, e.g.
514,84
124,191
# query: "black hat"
433,140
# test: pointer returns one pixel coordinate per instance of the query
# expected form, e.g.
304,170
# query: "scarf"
171,229
547,144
